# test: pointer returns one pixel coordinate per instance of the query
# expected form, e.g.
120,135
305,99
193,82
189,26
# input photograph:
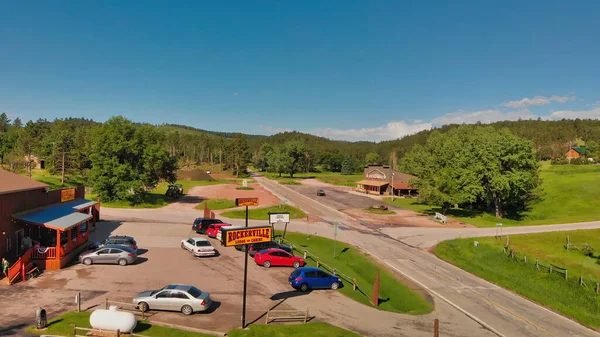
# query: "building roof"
373,182
580,150
12,182
57,216
402,186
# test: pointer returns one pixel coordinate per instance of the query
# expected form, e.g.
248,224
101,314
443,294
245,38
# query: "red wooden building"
48,227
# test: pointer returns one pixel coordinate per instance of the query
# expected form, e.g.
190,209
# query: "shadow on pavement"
288,294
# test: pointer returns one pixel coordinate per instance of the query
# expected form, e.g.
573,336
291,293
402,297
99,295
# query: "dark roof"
57,216
12,182
580,150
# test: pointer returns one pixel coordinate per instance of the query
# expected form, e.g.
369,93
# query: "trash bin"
41,321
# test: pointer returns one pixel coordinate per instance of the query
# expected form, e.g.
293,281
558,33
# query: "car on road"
109,254
200,225
305,278
256,247
320,192
116,240
214,229
277,258
199,247
174,297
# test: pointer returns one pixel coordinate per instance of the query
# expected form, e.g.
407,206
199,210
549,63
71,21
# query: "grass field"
262,213
552,290
333,178
394,295
567,194
54,180
217,204
63,326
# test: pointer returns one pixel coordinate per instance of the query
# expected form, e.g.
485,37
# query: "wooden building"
381,179
576,152
50,227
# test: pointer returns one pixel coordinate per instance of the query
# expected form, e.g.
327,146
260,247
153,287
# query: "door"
178,300
211,230
114,255
102,256
190,244
278,259
19,234
162,301
323,279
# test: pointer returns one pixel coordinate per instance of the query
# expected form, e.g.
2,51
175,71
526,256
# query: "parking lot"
162,261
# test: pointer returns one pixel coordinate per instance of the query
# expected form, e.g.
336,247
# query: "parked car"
214,229
116,240
277,257
256,247
305,278
174,297
200,225
199,247
220,233
109,254
320,192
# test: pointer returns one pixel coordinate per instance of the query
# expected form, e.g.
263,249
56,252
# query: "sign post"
335,230
227,236
499,229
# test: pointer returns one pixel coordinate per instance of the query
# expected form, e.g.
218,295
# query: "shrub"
559,161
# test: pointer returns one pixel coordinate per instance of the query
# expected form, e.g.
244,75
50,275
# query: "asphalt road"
498,310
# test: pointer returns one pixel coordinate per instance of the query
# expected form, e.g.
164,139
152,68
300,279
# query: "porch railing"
45,253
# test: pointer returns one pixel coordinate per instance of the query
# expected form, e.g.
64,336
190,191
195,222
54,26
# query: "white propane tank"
113,320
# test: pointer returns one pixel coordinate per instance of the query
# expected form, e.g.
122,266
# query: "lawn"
567,297
566,196
334,178
262,213
216,204
375,210
54,180
63,326
394,295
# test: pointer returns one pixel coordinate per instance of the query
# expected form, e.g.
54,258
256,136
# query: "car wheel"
187,310
335,285
144,307
122,262
267,264
304,287
296,264
87,261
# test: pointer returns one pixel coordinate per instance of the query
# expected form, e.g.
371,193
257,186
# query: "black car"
201,224
256,247
116,240
320,192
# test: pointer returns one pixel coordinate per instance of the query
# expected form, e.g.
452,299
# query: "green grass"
63,326
567,192
334,178
263,212
567,297
217,204
54,180
299,330
378,210
245,188
394,295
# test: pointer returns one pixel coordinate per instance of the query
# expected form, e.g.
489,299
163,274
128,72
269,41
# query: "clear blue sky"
326,67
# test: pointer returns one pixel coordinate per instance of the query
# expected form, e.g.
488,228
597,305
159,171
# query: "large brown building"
381,179
56,222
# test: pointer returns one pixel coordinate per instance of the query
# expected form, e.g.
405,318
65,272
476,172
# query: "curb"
187,328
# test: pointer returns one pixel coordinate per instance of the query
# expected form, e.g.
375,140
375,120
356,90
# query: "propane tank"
113,320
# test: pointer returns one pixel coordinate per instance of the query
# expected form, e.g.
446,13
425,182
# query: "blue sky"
351,70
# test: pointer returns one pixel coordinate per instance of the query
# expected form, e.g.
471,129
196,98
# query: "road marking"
473,317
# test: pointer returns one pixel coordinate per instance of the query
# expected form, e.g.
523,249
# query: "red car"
213,229
277,257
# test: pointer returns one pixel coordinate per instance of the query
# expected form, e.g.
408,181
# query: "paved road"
500,311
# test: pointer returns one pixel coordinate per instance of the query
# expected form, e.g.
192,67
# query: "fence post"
567,245
436,328
118,333
306,316
537,263
79,302
566,273
75,330
317,262
550,269
581,280
267,320
334,271
305,255
597,287
292,247
106,303
525,258
354,284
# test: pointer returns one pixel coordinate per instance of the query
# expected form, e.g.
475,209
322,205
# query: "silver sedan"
174,297
109,254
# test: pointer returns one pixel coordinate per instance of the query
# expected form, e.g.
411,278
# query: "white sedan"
199,247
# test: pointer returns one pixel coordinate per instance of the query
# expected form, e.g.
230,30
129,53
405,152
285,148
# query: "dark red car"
277,257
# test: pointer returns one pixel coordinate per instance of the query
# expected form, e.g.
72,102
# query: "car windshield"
195,292
202,244
296,273
264,251
157,290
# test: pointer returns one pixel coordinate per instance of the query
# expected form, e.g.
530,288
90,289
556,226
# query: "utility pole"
393,194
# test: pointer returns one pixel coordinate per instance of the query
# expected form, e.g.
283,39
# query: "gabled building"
57,222
576,152
381,179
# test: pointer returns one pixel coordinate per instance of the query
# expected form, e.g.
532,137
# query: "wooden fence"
104,333
126,307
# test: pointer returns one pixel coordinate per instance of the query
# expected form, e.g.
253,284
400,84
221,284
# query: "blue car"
305,278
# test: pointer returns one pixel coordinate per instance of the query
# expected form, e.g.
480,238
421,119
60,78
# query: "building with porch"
49,227
381,179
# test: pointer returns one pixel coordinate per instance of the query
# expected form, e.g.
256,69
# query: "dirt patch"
222,175
195,174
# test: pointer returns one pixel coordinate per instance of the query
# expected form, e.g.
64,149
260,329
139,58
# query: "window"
311,274
83,228
63,238
190,241
74,231
195,292
211,226
164,294
202,244
103,251
115,251
322,274
179,295
8,244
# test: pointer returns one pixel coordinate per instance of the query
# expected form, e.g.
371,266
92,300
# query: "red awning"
372,182
402,186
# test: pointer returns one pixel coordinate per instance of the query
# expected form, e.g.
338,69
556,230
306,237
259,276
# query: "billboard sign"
246,202
67,195
246,235
279,217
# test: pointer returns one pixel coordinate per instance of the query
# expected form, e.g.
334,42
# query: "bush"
559,161
580,161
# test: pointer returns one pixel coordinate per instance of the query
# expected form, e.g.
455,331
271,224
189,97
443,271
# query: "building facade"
56,222
576,152
381,179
